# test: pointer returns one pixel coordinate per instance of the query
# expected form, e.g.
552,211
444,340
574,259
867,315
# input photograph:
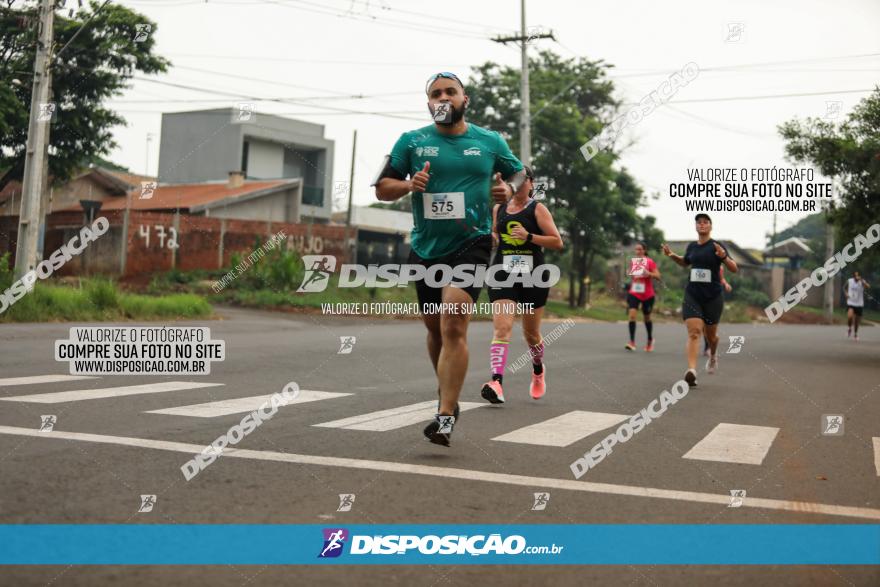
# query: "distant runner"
524,228
703,301
855,303
643,271
456,170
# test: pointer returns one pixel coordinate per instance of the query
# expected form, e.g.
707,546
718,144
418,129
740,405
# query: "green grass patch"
100,300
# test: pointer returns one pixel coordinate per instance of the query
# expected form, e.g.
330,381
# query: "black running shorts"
521,294
709,311
634,302
474,252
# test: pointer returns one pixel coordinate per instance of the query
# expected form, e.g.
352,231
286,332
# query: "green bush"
102,294
278,270
5,271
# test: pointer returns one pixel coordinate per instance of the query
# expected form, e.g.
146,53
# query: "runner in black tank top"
703,301
512,251
522,227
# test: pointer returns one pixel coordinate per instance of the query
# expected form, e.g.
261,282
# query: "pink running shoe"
492,392
537,388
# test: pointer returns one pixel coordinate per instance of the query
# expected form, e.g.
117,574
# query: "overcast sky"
332,49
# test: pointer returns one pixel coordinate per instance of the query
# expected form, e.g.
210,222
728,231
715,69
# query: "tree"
593,202
94,67
849,152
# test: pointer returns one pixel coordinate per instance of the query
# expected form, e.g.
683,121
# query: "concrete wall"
199,146
266,160
278,207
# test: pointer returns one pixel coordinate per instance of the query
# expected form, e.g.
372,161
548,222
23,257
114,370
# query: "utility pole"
147,162
36,156
828,301
525,117
354,142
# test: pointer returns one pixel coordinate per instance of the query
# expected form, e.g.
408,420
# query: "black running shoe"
440,430
691,378
457,408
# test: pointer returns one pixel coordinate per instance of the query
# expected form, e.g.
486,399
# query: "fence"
150,242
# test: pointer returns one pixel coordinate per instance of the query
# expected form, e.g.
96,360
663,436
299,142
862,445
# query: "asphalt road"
770,399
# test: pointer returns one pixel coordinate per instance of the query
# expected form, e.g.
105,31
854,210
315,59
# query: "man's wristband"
529,238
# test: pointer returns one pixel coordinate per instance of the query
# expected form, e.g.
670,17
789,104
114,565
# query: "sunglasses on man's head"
444,74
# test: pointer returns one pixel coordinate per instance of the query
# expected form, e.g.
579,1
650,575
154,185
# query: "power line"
305,6
422,15
732,67
278,100
278,83
319,61
764,97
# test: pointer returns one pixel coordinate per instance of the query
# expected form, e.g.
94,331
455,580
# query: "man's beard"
456,115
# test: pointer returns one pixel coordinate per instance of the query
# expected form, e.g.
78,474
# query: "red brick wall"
151,235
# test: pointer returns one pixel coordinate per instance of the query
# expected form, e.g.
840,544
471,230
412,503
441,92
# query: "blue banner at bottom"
266,544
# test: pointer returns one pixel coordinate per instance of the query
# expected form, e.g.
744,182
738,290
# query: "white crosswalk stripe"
242,404
88,394
385,420
563,430
734,443
36,379
727,443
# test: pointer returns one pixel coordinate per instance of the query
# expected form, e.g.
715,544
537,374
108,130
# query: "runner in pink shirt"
643,271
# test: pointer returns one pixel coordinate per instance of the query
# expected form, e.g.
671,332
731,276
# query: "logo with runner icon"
47,422
346,500
736,344
832,424
147,503
334,541
737,496
638,266
541,500
346,345
318,270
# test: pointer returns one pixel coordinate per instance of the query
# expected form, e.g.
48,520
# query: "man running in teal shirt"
456,172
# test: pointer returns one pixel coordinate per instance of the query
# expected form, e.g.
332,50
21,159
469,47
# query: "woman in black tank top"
508,245
521,227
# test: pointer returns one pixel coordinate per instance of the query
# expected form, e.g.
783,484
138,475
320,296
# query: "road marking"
877,454
85,394
242,404
445,473
563,430
33,379
385,420
734,443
